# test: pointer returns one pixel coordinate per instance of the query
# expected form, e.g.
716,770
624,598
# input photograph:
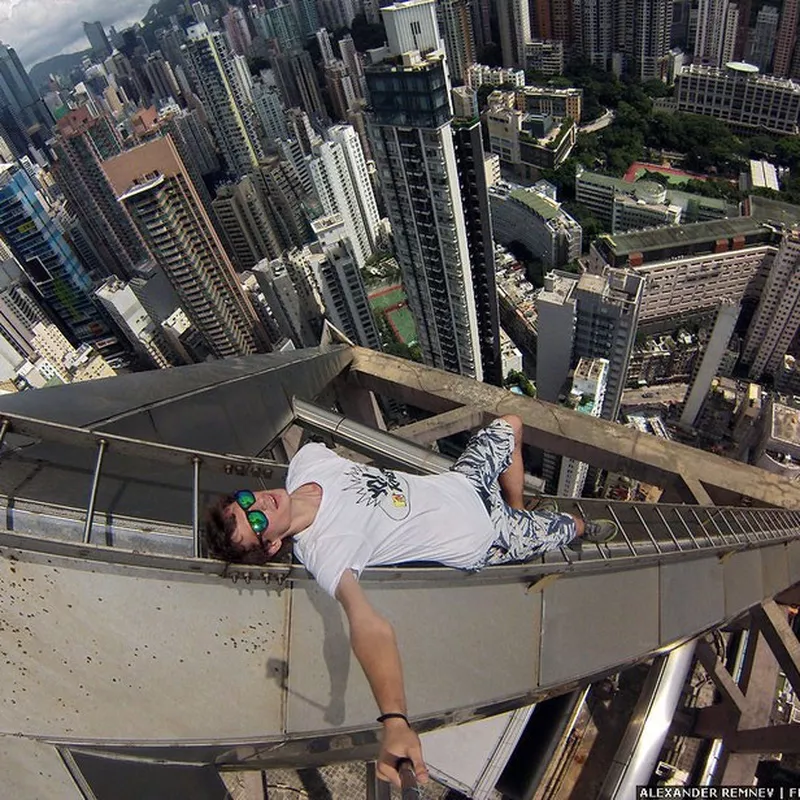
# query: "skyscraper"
210,63
340,177
412,141
455,25
352,60
777,317
83,142
154,186
787,37
648,43
480,241
514,20
305,11
46,258
21,108
710,32
281,190
278,23
270,110
341,288
237,31
293,310
586,397
594,31
591,316
98,40
162,79
297,82
248,226
761,42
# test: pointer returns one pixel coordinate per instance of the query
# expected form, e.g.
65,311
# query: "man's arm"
375,646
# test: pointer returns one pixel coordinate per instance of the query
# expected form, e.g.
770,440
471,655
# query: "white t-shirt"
368,517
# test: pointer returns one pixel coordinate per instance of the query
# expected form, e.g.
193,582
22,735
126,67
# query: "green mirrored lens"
245,499
258,521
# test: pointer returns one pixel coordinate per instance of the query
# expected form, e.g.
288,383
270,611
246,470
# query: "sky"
38,29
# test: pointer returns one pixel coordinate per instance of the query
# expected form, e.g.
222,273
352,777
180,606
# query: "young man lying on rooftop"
345,517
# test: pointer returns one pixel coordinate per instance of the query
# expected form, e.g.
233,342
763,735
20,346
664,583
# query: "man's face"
276,504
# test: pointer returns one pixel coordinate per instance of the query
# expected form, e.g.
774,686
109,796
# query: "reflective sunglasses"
258,519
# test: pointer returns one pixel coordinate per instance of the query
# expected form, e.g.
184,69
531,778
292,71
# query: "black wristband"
394,715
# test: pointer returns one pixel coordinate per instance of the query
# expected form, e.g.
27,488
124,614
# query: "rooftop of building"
142,186
785,425
768,209
558,287
675,236
674,196
590,368
570,91
544,207
733,71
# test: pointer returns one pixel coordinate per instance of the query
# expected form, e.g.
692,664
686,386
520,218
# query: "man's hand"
399,742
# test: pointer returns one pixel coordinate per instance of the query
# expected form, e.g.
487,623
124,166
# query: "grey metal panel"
793,560
232,405
744,585
32,770
597,622
692,597
137,487
774,569
118,779
124,654
460,646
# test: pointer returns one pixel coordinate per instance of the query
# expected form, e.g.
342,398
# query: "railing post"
408,781
4,430
196,506
376,788
87,528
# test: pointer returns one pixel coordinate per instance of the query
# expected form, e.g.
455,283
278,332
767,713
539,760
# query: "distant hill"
59,65
157,16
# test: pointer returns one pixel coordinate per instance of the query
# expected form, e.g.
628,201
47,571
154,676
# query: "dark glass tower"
47,259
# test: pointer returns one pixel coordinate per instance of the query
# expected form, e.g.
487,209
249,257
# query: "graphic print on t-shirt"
380,488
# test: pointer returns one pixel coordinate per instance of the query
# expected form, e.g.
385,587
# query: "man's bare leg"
512,479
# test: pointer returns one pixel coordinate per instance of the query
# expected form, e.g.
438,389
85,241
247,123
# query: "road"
599,123
653,395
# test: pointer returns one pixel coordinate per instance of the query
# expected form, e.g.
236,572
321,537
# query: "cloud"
38,29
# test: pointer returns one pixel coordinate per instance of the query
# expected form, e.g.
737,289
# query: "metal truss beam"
771,621
723,680
427,431
562,431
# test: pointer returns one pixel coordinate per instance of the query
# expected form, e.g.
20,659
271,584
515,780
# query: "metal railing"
648,533
170,455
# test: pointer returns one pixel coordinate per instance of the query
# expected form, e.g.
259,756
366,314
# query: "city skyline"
40,29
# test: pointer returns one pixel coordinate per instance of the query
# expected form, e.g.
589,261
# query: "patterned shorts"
521,535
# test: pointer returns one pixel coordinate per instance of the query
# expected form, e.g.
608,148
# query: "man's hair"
219,528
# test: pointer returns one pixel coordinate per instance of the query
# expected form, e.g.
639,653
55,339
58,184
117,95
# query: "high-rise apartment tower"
409,118
154,186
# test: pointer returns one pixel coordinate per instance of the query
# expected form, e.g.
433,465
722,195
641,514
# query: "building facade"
410,130
586,397
82,144
154,186
541,224
740,97
480,241
50,264
211,66
777,317
587,316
